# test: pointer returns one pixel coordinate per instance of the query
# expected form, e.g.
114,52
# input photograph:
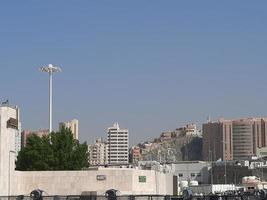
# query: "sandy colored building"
73,125
236,139
26,133
98,153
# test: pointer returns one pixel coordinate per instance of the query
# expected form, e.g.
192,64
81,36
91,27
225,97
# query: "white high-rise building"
118,145
98,153
73,125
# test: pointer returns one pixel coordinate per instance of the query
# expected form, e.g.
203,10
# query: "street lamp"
50,69
11,151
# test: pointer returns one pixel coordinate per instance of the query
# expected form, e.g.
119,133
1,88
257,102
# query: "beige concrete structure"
9,125
127,181
74,127
234,139
98,153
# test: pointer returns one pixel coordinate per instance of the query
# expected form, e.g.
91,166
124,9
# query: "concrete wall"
75,182
7,147
192,171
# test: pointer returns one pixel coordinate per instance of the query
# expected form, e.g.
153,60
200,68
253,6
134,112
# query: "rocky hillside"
177,149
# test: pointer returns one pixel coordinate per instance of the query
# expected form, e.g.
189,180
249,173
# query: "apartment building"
235,139
117,145
135,154
73,125
98,153
26,133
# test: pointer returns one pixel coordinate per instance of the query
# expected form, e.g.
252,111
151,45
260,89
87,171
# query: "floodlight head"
50,69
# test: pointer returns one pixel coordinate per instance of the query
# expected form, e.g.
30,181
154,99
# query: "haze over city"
149,66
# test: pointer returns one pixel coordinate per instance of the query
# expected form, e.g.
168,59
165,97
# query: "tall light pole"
50,69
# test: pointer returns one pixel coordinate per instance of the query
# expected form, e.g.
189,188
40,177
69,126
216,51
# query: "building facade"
13,124
26,133
98,153
236,139
18,134
9,129
73,125
217,140
188,130
117,145
135,154
192,171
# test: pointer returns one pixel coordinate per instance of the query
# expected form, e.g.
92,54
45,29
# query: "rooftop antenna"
50,69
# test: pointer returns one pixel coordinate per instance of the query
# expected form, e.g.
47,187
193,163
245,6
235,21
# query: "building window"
192,175
142,179
180,175
199,175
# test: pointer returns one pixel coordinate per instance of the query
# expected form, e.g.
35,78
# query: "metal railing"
139,197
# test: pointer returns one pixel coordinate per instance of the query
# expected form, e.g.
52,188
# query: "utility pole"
50,69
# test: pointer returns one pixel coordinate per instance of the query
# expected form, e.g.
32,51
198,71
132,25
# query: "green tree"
56,151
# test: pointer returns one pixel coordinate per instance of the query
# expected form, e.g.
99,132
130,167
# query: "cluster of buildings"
112,151
115,149
160,149
128,181
240,142
187,130
21,136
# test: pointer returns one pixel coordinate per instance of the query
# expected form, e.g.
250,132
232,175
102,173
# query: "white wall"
7,143
75,182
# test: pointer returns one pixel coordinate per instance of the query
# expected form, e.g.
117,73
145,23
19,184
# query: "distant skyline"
151,66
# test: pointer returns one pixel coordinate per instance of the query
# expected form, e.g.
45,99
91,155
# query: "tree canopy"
55,151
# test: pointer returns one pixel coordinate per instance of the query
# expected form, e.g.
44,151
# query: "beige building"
187,130
236,139
135,154
166,136
98,153
26,133
73,125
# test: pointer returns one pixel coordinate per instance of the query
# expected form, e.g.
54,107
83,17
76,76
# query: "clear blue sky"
150,65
